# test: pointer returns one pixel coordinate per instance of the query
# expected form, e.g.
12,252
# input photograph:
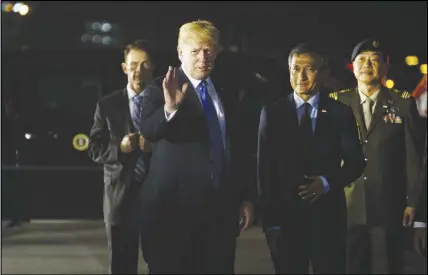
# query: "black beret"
368,45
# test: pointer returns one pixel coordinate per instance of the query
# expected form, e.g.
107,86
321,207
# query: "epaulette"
346,90
404,94
334,95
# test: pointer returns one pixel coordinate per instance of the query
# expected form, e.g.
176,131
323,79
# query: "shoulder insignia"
345,90
334,95
406,95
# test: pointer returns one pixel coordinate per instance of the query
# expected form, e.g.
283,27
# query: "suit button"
366,141
365,178
366,159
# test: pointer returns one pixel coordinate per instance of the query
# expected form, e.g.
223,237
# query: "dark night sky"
271,26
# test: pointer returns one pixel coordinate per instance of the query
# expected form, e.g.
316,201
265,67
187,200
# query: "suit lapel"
226,99
379,110
123,106
358,112
292,111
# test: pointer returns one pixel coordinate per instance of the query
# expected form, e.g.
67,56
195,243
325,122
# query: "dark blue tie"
140,168
218,155
307,138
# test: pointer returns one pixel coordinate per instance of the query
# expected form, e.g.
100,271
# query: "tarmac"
79,247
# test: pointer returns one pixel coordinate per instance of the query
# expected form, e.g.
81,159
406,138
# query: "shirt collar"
195,82
373,97
131,92
313,101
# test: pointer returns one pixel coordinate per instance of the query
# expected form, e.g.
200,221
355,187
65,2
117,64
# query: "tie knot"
137,99
203,84
368,101
306,107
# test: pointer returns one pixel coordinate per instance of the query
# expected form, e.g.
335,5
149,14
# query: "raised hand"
172,91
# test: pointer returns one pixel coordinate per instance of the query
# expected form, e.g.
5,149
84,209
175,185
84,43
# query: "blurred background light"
16,7
389,84
106,27
96,26
423,68
412,60
24,9
107,40
97,39
6,6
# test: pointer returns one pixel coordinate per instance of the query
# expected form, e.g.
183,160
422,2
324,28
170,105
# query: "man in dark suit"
384,198
195,203
302,140
116,143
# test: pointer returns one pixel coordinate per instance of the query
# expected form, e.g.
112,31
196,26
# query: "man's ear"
124,68
179,53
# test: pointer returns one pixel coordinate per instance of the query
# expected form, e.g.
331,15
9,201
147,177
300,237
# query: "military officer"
383,200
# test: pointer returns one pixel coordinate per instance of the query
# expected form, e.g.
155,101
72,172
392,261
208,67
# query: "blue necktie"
217,149
307,138
140,168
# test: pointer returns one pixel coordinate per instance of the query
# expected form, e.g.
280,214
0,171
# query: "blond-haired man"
196,205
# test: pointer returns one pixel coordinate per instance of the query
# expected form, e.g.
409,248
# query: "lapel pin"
323,110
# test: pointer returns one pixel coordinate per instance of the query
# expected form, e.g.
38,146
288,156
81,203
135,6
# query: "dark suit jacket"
112,121
421,209
180,168
393,155
279,161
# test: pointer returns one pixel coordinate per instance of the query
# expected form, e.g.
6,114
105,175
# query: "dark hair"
142,45
311,49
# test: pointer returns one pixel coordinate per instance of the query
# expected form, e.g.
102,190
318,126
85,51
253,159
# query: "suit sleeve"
413,128
103,148
352,153
267,185
154,125
421,209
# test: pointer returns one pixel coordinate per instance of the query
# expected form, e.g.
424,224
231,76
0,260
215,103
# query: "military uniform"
392,145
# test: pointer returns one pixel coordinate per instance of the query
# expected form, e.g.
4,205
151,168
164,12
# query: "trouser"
193,241
375,250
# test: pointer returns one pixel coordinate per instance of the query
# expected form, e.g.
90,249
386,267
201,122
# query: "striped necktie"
140,167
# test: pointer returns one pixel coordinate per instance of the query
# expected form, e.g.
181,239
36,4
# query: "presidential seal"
80,142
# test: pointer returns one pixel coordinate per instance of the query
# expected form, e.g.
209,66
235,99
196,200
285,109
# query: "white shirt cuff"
169,116
325,183
419,224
